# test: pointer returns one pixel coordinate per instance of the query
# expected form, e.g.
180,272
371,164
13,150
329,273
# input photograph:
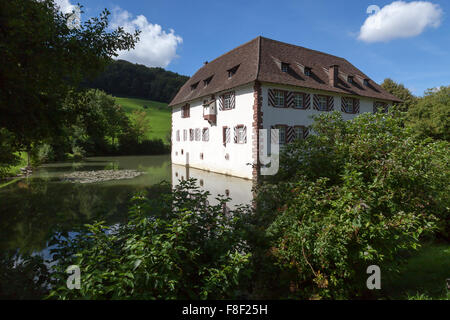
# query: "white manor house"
262,84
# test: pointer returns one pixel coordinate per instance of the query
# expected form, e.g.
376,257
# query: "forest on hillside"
123,78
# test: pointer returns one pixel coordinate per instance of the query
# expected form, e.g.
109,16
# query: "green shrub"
173,247
355,193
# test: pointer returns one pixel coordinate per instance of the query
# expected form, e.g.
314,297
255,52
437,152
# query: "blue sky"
412,48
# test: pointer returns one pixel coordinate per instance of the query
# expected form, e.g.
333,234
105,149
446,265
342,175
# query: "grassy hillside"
158,114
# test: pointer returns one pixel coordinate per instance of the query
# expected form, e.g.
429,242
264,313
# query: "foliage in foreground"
356,193
173,247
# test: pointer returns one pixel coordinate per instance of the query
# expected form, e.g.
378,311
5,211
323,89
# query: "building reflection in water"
238,189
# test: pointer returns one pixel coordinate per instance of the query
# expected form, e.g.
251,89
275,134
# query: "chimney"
333,72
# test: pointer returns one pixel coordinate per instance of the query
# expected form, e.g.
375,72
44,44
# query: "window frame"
303,95
284,93
228,94
205,129
186,111
303,128
238,127
321,96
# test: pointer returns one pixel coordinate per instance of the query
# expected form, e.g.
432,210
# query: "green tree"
42,59
356,193
430,116
401,92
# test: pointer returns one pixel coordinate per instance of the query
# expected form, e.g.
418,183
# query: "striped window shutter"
289,102
235,134
356,105
221,103
227,135
307,99
245,134
305,133
330,103
343,104
271,99
290,134
316,102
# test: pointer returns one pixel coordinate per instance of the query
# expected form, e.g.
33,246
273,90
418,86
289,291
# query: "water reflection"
238,189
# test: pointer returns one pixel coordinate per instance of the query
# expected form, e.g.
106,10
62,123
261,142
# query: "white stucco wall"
292,117
213,150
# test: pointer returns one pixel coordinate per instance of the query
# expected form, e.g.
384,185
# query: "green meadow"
158,114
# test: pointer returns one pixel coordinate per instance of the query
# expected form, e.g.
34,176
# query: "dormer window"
366,82
350,79
307,71
194,86
232,71
284,67
207,81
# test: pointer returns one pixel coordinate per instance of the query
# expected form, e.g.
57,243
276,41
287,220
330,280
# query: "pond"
34,208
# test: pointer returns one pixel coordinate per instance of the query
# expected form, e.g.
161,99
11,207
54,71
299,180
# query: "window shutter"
271,98
307,100
356,105
289,100
235,135
305,133
221,103
245,134
316,102
290,134
343,104
233,100
330,103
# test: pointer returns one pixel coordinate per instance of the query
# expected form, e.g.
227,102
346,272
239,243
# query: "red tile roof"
260,60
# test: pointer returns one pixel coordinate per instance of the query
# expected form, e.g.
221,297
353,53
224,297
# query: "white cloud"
400,20
156,47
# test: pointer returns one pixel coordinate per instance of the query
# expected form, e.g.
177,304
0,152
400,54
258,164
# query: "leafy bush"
175,246
356,193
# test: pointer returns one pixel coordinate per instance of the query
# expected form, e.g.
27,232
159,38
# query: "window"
240,134
379,106
184,135
205,134
185,111
281,134
228,101
299,132
232,71
207,81
307,71
178,135
191,134
201,155
366,82
225,135
299,100
194,86
350,79
280,98
322,100
197,134
349,105
284,67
